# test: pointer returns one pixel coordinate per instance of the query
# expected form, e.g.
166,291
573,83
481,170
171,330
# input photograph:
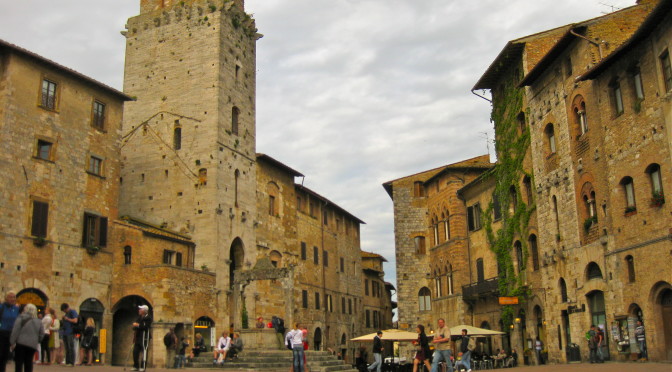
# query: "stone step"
274,360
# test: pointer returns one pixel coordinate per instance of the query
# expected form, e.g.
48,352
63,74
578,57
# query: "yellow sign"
30,298
102,338
508,300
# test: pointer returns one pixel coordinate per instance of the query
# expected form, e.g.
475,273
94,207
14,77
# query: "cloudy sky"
352,93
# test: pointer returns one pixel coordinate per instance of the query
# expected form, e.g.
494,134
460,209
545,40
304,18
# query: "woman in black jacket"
422,345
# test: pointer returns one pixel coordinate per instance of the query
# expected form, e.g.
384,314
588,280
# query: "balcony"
486,288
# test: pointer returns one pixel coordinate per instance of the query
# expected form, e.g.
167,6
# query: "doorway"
598,316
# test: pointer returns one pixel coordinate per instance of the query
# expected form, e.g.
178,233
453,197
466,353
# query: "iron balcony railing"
485,288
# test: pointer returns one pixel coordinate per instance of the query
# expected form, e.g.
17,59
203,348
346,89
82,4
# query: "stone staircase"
275,361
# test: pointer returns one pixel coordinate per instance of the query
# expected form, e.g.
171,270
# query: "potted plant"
588,223
39,241
657,199
92,249
630,210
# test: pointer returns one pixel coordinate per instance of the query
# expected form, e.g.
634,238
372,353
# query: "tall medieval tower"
188,151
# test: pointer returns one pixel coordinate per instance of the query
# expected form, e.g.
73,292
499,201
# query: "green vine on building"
512,141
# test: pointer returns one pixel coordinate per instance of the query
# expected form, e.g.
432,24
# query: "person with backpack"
592,343
170,342
70,319
466,346
26,336
9,311
87,342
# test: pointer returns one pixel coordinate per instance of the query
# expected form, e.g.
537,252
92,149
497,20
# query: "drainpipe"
598,45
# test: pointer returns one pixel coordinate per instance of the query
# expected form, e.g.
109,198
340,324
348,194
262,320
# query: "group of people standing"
23,332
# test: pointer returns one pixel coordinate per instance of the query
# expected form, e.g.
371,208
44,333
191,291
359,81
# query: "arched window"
629,190
519,255
128,251
658,197
579,108
535,252
496,208
527,183
480,271
435,228
636,75
236,175
424,299
616,95
593,271
177,136
235,113
563,290
449,276
588,196
550,138
557,214
514,197
630,262
446,226
521,122
439,284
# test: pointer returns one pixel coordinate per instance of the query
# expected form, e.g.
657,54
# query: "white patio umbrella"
389,335
473,331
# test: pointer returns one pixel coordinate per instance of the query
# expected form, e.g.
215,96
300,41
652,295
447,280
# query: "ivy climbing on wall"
512,141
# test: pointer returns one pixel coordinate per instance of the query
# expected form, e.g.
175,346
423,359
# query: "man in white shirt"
294,340
223,346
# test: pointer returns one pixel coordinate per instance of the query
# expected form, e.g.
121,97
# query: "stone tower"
188,150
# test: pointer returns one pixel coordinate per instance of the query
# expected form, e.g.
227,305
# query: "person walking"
422,346
441,343
592,344
141,327
377,352
538,346
9,311
69,320
26,335
465,350
170,342
294,341
640,336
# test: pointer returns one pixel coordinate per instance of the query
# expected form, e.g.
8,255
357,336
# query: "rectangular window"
419,242
43,150
168,257
325,217
304,299
366,287
618,97
667,70
474,217
304,254
271,205
317,301
95,165
316,257
299,204
312,209
95,231
343,305
375,319
342,264
496,208
368,319
98,115
178,259
40,218
325,258
48,94
637,81
349,306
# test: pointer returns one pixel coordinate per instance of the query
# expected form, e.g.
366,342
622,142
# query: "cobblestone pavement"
579,367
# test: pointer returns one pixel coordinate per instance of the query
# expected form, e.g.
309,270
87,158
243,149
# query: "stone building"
572,220
431,241
173,208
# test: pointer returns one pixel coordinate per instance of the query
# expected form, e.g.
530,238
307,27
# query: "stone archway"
664,301
317,339
33,296
125,313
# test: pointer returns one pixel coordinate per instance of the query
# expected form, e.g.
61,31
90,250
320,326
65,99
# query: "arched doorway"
525,342
236,258
344,346
206,327
33,296
317,339
125,313
92,308
665,302
539,320
598,317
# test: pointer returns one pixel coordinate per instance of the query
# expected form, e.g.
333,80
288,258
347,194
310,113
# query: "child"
180,359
